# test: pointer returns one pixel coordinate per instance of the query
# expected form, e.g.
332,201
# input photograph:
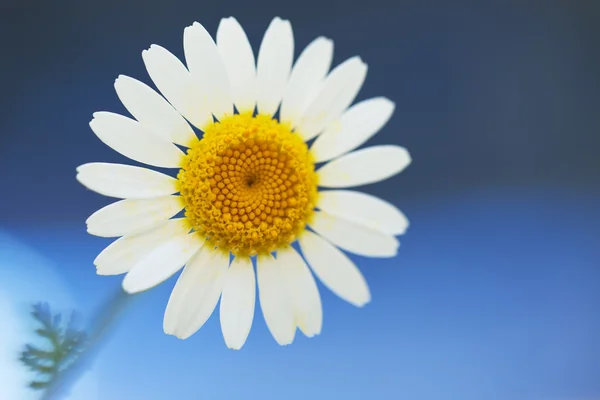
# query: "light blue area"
27,278
494,295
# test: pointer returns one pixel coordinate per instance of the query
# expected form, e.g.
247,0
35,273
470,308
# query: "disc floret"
249,185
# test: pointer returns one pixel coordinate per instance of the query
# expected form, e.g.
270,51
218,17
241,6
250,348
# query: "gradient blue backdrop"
495,293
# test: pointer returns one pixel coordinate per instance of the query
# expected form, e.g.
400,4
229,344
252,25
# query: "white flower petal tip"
363,303
207,70
162,262
335,269
176,84
125,181
124,253
237,302
153,111
274,301
302,291
337,92
353,237
289,296
238,58
196,293
364,166
308,72
128,217
129,138
274,64
364,209
357,125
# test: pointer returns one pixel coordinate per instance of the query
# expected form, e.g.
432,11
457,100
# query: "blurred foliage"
66,343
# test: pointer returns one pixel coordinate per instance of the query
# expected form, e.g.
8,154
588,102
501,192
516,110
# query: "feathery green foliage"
66,344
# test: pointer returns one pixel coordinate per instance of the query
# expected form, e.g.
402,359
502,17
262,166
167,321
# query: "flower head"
248,186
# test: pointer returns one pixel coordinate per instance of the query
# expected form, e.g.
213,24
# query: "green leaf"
66,344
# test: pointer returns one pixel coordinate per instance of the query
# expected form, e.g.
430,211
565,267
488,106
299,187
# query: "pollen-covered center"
249,184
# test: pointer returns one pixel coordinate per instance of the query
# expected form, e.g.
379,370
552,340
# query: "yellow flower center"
249,185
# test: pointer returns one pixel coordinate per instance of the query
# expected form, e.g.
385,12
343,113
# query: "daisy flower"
247,188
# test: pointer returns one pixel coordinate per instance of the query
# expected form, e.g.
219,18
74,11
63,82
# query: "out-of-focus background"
495,293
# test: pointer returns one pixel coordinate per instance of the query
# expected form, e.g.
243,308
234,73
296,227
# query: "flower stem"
100,326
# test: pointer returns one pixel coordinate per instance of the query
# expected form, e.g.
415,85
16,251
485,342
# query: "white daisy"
248,186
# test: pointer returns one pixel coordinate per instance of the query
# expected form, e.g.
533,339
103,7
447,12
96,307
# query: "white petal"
335,269
175,83
361,167
162,262
153,111
363,209
303,291
354,238
238,58
337,93
122,254
357,125
125,181
274,64
129,138
308,72
131,216
237,302
207,70
275,300
196,293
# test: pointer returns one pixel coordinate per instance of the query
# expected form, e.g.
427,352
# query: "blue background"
495,293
